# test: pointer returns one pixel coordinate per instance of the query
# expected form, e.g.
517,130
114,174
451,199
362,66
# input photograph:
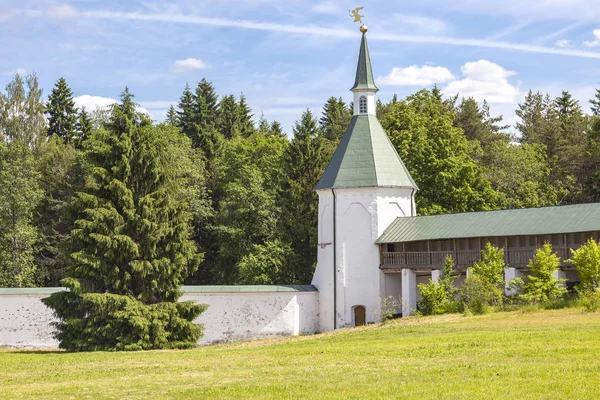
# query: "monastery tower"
363,190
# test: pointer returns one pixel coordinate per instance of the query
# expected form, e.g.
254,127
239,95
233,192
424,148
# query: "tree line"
238,192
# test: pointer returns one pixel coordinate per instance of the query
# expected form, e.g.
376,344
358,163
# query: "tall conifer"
62,113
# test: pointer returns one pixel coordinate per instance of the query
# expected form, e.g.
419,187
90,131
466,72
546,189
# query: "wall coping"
45,291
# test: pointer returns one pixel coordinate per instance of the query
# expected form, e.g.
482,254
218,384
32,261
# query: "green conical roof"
364,73
365,157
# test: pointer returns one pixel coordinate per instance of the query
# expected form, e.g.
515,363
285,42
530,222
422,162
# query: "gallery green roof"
526,221
365,157
364,72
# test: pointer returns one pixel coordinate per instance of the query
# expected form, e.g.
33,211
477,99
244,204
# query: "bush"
491,266
541,285
387,308
590,300
587,262
104,321
478,295
440,297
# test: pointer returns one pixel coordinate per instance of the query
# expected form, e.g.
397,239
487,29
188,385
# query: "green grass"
548,354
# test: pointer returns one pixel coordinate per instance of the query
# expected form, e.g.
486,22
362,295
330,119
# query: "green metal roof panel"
364,72
526,221
365,157
248,288
45,291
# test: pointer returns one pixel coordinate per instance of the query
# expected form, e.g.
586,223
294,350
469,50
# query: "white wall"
362,214
26,322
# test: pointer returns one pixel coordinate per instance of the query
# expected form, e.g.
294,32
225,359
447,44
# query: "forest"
216,195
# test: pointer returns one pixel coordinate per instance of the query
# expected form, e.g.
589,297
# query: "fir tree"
186,114
277,130
171,116
130,244
595,102
228,119
84,127
62,113
335,120
245,117
305,163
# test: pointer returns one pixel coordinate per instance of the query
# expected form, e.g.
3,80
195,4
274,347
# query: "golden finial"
358,18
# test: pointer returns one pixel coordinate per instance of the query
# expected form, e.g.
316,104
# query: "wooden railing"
517,258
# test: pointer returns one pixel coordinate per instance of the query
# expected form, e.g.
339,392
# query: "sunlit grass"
549,354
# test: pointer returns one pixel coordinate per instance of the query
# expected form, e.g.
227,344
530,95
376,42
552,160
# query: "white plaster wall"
323,276
362,214
26,322
234,317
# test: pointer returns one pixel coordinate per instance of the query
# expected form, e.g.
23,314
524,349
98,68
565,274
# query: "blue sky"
290,55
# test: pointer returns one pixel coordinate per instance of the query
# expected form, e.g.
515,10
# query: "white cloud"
563,43
327,7
595,42
20,71
188,64
62,12
421,23
484,80
92,103
416,76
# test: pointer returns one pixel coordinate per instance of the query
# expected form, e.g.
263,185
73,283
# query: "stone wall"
235,313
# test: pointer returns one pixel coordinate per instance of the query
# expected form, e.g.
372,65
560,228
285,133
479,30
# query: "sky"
287,56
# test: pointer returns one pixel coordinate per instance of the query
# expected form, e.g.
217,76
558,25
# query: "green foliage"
586,260
304,164
335,120
105,321
60,176
541,285
440,297
387,308
22,111
478,295
491,266
590,300
437,154
249,214
267,264
131,244
19,196
85,126
62,113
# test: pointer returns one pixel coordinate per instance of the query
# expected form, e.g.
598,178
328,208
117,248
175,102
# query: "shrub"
387,308
590,300
491,266
440,297
478,295
541,285
587,262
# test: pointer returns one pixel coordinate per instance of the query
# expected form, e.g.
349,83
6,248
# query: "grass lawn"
549,354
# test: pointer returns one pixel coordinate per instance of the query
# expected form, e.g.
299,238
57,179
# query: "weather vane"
358,18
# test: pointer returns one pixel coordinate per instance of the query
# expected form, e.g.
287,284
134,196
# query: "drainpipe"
412,202
334,264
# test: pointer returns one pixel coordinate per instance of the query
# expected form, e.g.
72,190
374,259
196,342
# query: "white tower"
364,188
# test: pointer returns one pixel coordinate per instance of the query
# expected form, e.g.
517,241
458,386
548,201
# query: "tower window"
362,105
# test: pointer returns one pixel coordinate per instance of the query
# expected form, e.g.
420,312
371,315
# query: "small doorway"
360,317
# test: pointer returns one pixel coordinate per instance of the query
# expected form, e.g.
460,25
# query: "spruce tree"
277,130
228,119
305,163
85,126
186,114
595,102
245,117
171,116
335,120
62,113
131,249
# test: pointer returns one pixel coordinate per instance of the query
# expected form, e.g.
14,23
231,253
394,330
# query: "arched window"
362,105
